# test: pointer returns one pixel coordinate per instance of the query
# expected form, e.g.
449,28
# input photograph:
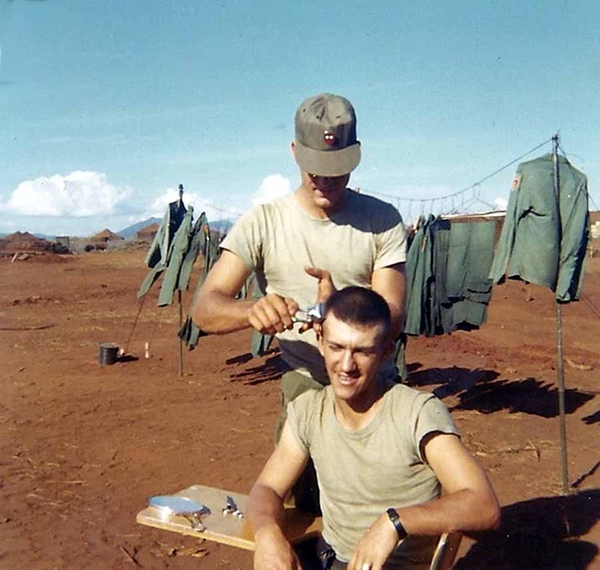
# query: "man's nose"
348,362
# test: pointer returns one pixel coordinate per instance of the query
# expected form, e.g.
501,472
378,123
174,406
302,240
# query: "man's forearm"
272,551
464,510
265,505
265,510
216,313
390,283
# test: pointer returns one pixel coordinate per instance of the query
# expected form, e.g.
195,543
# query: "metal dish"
172,505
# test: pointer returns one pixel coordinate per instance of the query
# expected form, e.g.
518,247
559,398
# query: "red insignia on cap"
329,138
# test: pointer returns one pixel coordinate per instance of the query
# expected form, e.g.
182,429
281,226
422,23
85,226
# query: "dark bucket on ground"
109,353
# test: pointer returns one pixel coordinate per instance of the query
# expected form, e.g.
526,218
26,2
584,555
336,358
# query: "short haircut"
360,306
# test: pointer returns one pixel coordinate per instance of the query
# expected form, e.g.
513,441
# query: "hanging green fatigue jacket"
544,237
447,268
205,241
158,255
419,274
468,288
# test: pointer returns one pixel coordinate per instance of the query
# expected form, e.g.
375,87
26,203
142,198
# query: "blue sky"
106,106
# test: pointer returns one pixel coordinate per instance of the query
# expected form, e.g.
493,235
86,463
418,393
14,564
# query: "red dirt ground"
83,446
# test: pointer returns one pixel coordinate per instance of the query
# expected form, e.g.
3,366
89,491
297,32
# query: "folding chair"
446,551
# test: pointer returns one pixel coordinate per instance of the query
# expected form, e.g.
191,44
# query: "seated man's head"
355,339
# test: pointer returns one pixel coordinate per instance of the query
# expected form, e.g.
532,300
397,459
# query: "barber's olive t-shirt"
278,240
362,473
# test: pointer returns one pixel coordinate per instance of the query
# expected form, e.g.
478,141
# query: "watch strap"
395,519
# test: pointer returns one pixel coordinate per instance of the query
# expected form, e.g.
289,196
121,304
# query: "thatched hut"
103,239
147,234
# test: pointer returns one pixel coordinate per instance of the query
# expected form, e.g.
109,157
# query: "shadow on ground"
271,369
539,533
592,418
529,396
453,380
481,390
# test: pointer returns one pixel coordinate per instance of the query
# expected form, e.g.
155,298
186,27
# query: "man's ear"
319,332
293,147
390,346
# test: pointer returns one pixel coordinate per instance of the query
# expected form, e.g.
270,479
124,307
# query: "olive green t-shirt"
279,239
362,473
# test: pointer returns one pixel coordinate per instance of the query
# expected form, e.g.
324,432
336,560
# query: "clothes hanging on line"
545,235
207,243
178,260
173,253
162,248
468,286
418,276
164,236
197,244
177,253
447,268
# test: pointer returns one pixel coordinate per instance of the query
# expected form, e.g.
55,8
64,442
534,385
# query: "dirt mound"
24,242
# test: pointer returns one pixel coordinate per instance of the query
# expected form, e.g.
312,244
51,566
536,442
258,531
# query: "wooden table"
228,529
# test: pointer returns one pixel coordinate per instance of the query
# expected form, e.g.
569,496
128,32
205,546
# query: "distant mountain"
129,232
222,226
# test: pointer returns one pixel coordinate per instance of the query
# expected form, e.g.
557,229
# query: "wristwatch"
393,515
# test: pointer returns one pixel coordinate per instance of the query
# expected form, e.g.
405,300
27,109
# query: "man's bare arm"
390,283
265,506
468,503
216,310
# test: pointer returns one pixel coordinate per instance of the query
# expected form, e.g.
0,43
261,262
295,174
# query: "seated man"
393,472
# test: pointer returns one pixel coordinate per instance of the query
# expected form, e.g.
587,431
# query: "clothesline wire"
232,215
567,154
590,304
592,201
471,187
224,211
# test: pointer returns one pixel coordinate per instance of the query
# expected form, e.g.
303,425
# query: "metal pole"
180,303
560,371
561,401
180,339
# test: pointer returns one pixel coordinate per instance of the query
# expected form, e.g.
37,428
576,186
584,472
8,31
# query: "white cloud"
272,187
500,203
79,194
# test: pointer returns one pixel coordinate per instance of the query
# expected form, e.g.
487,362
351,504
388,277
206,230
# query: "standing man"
383,454
305,245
